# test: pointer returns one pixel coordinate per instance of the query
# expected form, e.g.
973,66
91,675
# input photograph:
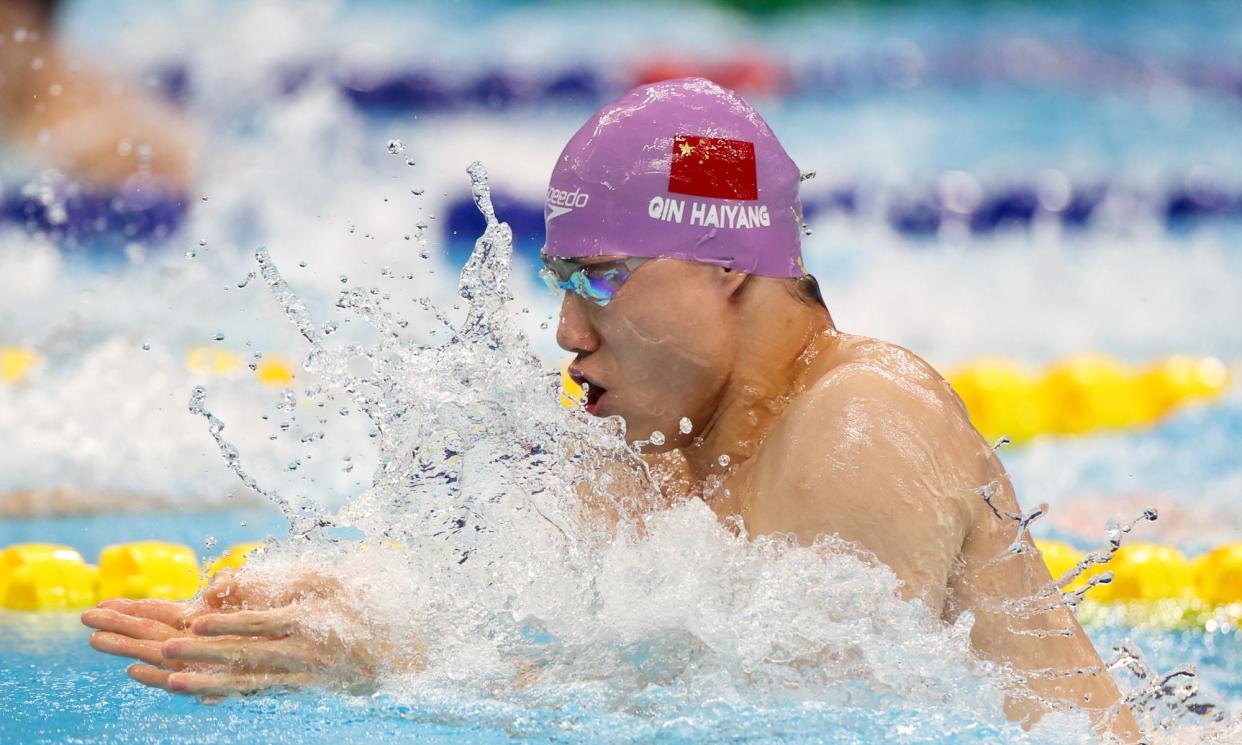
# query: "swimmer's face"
663,348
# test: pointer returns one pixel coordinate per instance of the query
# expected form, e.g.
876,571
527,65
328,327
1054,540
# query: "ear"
732,281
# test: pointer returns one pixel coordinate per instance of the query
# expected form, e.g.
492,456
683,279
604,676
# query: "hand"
236,639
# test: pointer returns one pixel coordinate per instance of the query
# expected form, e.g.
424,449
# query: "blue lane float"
1012,206
83,220
897,64
80,219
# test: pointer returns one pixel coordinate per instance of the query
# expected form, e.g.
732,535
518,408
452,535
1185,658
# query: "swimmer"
79,119
673,224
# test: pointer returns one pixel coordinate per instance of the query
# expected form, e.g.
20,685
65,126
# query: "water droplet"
396,147
417,192
202,241
190,253
329,327
685,425
657,438
209,542
409,161
204,197
219,336
723,460
544,325
344,279
243,523
146,346
302,264
806,229
424,254
806,175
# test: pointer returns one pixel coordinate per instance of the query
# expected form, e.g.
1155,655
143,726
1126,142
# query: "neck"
775,351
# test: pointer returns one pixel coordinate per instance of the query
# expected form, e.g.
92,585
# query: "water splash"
573,601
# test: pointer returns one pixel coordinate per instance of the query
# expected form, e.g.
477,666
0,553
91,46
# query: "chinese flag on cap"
713,167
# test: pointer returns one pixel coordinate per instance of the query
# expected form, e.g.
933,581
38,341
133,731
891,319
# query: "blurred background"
1042,199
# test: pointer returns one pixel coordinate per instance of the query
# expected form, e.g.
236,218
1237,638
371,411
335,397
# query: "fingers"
310,585
221,590
152,676
211,687
224,684
289,654
143,650
275,622
137,627
174,614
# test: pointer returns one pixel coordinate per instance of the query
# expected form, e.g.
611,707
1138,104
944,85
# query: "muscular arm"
891,463
861,456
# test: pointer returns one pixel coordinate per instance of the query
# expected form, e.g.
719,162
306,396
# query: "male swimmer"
72,116
674,223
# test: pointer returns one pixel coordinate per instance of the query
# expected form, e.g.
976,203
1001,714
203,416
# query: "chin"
643,431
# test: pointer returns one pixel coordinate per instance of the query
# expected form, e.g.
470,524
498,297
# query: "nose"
574,332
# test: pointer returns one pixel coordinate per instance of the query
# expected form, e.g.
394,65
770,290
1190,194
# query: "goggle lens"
595,282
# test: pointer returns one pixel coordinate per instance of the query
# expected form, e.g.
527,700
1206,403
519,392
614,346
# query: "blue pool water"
53,688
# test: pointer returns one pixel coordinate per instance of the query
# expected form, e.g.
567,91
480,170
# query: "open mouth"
594,391
594,394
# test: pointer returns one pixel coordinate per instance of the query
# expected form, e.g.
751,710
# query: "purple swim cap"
680,169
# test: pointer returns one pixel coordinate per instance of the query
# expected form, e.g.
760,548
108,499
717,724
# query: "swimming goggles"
596,282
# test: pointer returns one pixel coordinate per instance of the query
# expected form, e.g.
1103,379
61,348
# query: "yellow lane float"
234,557
148,569
274,371
1157,587
1218,575
1153,586
16,363
45,577
1081,394
1144,571
1084,393
1000,398
212,361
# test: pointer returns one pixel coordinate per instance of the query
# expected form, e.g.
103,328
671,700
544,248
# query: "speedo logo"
561,202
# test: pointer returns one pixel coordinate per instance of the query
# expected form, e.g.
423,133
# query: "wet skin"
827,434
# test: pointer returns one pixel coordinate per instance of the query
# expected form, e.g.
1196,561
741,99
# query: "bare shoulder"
879,427
878,452
880,376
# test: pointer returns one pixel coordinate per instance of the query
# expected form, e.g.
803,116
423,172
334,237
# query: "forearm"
1053,664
